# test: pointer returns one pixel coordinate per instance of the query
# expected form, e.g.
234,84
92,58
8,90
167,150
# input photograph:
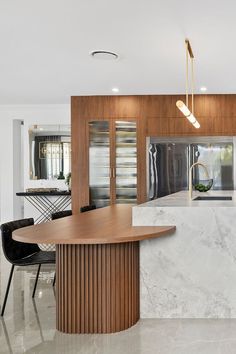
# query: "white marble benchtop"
192,273
181,199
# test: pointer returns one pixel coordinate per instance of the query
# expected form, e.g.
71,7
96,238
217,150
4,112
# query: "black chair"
61,214
64,213
22,254
87,208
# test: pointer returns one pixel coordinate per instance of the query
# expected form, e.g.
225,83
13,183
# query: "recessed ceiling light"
115,89
104,55
203,89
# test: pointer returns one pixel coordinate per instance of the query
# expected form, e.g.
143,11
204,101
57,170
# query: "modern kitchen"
118,183
163,225
186,180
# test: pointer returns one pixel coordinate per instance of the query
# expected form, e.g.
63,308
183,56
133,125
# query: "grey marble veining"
192,273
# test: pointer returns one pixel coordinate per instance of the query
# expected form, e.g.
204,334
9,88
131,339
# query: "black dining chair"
64,213
87,208
61,214
21,253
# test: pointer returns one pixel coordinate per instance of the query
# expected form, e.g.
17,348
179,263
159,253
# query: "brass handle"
112,172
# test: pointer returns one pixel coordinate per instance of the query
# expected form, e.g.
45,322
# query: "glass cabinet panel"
218,158
126,162
99,163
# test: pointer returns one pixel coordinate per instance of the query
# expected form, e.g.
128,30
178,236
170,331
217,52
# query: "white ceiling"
45,45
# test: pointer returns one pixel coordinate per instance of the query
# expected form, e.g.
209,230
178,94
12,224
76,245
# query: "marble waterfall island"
191,274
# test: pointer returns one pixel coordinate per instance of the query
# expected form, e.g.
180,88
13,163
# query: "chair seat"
22,254
41,257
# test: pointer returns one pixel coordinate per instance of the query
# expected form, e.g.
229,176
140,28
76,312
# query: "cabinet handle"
112,173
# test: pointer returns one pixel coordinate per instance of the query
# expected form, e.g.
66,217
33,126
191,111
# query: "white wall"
30,115
18,168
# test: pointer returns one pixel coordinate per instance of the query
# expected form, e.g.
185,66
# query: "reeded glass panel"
126,162
218,158
99,163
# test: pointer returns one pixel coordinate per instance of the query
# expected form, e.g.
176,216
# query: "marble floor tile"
29,326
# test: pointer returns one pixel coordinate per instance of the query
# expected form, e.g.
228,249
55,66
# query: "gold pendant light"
180,104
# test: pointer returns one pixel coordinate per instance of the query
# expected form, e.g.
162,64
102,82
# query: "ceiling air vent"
104,55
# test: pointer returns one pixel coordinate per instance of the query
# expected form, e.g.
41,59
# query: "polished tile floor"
29,326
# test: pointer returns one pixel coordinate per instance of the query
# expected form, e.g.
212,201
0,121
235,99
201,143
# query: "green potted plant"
68,180
61,176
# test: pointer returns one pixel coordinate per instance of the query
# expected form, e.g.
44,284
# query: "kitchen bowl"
203,185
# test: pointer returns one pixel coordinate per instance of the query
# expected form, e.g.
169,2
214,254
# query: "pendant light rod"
192,84
187,78
182,107
190,51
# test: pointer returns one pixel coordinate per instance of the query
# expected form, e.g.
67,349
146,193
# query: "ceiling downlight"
104,55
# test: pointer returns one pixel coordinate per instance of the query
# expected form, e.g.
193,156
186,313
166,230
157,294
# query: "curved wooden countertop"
112,224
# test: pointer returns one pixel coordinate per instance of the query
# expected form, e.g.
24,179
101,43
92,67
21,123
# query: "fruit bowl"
203,185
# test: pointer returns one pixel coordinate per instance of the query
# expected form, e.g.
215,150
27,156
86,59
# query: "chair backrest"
61,214
87,208
12,249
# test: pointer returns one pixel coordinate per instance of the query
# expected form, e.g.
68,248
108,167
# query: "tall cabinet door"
112,162
99,163
125,162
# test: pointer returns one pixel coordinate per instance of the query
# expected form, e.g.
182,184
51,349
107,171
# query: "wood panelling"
79,155
155,116
141,160
215,113
205,105
161,106
97,287
107,107
210,126
175,126
90,108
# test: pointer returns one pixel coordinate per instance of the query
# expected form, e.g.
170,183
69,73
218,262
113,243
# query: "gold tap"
190,180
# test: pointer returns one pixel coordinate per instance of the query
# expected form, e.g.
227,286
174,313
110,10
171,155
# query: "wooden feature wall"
85,109
97,287
215,113
156,115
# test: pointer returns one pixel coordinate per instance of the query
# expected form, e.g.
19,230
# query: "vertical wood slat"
95,298
86,287
73,288
108,287
82,289
97,287
104,290
112,287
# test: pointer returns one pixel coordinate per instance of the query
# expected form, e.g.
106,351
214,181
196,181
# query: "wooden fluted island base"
97,256
97,287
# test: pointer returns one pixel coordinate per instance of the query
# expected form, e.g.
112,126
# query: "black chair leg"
7,291
36,280
54,280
